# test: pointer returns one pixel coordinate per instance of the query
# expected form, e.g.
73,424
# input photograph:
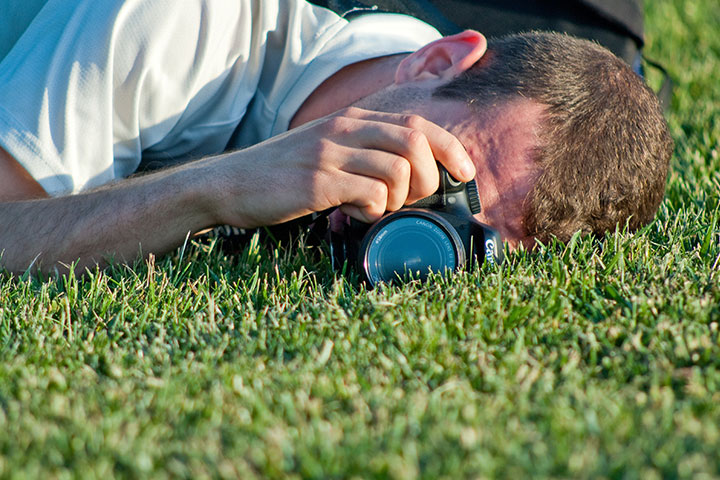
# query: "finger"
363,198
394,170
446,148
357,213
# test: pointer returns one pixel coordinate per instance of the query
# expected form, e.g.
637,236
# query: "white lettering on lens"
380,237
490,251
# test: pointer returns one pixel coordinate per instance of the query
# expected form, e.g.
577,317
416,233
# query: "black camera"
435,234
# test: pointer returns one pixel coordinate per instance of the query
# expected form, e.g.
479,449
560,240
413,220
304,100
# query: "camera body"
438,233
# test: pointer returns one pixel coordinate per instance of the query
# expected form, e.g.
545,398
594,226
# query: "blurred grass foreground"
592,359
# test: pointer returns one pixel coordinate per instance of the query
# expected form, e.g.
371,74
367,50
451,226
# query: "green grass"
595,359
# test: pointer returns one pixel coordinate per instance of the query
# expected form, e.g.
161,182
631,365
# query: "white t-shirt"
94,87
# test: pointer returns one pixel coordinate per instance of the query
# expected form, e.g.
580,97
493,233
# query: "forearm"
150,214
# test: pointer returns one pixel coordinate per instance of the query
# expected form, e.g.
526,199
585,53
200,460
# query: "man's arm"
152,214
365,162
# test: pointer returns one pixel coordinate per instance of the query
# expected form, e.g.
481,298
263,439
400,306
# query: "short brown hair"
604,144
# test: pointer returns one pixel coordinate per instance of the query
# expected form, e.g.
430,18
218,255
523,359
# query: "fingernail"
468,170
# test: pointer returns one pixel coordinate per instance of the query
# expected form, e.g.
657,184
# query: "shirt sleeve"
92,84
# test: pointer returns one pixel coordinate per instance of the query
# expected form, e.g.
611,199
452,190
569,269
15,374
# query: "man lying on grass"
287,109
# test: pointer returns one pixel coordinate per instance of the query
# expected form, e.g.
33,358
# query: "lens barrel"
410,241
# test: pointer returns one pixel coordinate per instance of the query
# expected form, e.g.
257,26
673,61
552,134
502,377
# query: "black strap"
665,92
626,15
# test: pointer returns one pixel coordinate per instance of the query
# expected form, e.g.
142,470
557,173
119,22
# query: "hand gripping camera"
435,234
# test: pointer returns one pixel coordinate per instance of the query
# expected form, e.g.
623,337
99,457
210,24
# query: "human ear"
443,59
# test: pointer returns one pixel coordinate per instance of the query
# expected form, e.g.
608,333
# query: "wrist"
192,196
216,194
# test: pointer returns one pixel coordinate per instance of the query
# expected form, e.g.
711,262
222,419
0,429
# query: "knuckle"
378,193
324,149
353,112
399,170
413,120
339,124
377,199
375,210
417,141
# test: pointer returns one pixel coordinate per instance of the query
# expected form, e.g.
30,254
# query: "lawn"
599,358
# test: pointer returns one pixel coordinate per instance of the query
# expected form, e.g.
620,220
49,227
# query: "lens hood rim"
434,217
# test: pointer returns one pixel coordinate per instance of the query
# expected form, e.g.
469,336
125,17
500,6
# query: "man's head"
602,145
565,137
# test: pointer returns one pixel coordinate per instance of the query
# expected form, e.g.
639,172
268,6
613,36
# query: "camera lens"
410,241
